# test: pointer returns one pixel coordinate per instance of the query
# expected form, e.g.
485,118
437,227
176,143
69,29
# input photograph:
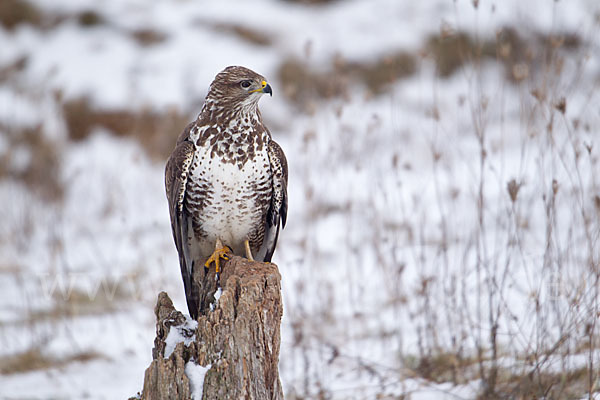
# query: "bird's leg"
220,252
248,251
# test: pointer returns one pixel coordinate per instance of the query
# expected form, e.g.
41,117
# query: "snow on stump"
232,352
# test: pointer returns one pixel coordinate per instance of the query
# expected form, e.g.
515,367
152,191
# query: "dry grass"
148,37
304,86
16,12
90,18
525,382
481,318
155,131
471,329
34,359
73,296
245,33
8,71
451,50
377,75
570,384
40,170
522,54
21,12
443,366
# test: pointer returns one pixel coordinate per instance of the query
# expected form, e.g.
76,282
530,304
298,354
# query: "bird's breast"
229,198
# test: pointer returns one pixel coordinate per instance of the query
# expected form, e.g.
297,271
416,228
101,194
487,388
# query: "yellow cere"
263,84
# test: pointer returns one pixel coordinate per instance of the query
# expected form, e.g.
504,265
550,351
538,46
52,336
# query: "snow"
195,374
217,296
218,293
383,257
180,334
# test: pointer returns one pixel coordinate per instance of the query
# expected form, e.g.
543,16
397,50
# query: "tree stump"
233,351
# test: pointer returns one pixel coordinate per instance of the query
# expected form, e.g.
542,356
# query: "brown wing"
176,176
277,214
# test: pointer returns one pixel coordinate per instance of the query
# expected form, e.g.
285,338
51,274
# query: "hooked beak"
267,88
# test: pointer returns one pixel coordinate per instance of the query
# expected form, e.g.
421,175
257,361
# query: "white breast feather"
233,210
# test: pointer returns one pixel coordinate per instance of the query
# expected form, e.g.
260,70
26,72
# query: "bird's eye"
245,84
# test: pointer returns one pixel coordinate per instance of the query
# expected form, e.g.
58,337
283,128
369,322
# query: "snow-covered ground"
403,245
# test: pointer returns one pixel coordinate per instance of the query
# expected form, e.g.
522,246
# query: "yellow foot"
248,252
216,258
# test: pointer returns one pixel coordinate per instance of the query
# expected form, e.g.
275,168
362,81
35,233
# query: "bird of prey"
226,180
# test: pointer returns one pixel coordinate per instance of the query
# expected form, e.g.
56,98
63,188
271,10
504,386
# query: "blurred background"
444,213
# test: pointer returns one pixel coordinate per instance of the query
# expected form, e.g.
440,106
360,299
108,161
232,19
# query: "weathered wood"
165,377
237,338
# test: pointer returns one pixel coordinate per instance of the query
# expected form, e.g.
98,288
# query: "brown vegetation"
90,18
244,33
303,85
148,37
522,56
36,163
16,12
153,130
34,359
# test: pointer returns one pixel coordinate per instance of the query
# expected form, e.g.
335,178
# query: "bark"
237,338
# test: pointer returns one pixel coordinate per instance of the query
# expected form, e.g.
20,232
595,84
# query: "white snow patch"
217,296
195,374
181,333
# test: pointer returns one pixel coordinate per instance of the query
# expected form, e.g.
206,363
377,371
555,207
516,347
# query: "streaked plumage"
226,180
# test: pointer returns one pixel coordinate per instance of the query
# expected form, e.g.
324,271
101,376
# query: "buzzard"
226,180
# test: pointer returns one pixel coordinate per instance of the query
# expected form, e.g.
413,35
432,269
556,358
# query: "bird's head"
238,87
